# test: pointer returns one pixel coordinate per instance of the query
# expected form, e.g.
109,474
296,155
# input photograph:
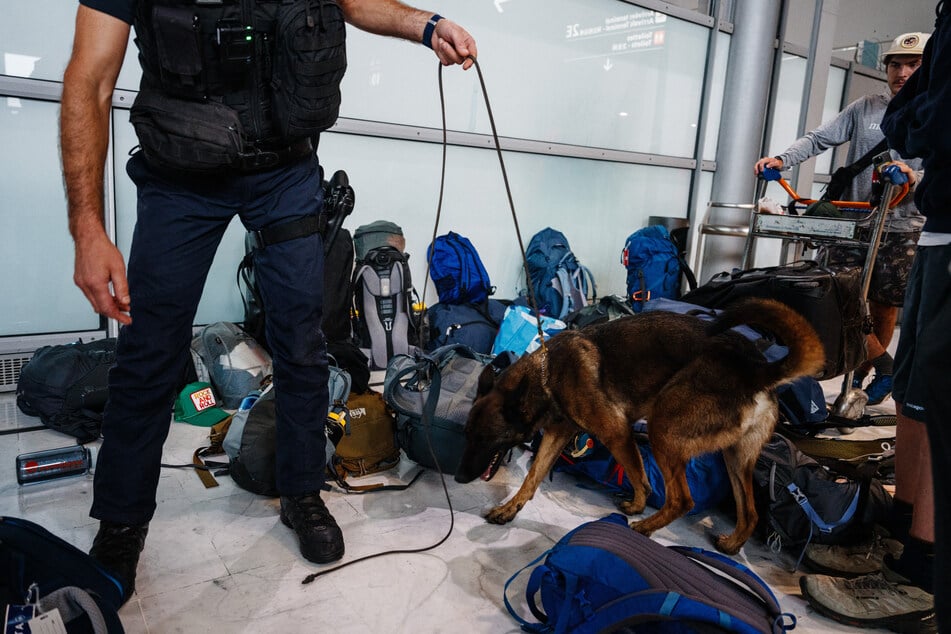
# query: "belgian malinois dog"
701,386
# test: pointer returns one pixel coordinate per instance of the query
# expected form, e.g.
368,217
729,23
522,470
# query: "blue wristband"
428,31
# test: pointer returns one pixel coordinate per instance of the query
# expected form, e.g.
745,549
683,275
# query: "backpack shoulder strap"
687,271
534,583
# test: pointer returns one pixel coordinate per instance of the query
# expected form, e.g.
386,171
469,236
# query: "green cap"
197,405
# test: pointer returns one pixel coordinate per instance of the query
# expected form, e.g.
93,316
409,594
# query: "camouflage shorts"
892,265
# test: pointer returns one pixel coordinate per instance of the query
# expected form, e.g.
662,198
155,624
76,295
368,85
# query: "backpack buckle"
643,295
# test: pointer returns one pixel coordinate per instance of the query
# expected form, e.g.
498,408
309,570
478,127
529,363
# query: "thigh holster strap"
300,228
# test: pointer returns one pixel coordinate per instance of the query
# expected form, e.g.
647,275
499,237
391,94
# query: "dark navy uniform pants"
179,225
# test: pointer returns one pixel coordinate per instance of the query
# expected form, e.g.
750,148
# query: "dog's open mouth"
493,467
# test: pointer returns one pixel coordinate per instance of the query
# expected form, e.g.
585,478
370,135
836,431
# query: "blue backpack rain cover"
706,474
561,283
653,266
457,271
603,576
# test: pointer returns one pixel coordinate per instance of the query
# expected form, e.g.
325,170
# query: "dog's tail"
806,353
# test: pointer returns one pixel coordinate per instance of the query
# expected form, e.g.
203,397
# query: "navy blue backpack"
457,271
654,266
561,283
603,576
473,325
40,571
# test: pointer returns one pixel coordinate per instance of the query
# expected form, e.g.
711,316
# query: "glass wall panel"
792,78
36,282
716,96
598,73
799,22
36,37
702,6
596,204
835,86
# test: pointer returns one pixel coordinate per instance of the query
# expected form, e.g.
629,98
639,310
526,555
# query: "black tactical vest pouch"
310,61
178,45
178,134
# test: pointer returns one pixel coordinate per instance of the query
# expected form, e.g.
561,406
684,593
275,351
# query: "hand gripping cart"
817,230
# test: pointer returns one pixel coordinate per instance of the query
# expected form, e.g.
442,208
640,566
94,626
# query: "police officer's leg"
290,276
176,234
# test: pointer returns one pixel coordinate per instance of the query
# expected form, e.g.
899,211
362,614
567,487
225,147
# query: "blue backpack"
457,271
561,283
603,576
706,474
654,266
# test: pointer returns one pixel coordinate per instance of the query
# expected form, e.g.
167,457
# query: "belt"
268,156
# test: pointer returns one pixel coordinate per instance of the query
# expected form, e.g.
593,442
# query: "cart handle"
771,174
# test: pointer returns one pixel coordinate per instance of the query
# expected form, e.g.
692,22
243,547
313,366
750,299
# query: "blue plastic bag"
519,331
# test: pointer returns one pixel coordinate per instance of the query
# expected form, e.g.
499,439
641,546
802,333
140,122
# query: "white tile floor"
219,560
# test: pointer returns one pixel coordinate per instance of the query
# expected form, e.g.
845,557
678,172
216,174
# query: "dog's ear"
486,380
520,409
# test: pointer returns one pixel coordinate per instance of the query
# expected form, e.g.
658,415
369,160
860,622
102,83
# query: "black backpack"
608,308
800,501
338,265
67,386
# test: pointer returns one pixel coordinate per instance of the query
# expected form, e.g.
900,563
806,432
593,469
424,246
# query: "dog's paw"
727,545
641,528
502,514
629,507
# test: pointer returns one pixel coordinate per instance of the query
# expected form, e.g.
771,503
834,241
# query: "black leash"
429,407
505,179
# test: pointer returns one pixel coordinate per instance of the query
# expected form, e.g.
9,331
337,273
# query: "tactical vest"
236,84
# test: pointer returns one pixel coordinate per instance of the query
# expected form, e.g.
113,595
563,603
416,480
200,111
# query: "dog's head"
497,422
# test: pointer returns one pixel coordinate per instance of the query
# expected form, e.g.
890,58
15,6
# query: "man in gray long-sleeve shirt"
859,124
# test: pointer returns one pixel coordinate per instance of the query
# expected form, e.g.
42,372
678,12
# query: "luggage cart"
814,231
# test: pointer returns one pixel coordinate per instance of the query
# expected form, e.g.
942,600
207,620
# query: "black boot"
321,540
117,548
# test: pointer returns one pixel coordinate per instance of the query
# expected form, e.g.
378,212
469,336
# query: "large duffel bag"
432,395
830,299
445,381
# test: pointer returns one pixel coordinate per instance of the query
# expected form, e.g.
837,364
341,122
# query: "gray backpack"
383,298
250,440
444,381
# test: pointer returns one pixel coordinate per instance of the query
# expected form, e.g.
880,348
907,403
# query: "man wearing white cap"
859,124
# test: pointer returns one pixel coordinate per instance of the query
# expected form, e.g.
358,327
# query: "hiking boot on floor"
117,547
851,561
321,540
870,601
879,389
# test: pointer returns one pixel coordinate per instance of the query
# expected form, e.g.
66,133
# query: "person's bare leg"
913,482
884,319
